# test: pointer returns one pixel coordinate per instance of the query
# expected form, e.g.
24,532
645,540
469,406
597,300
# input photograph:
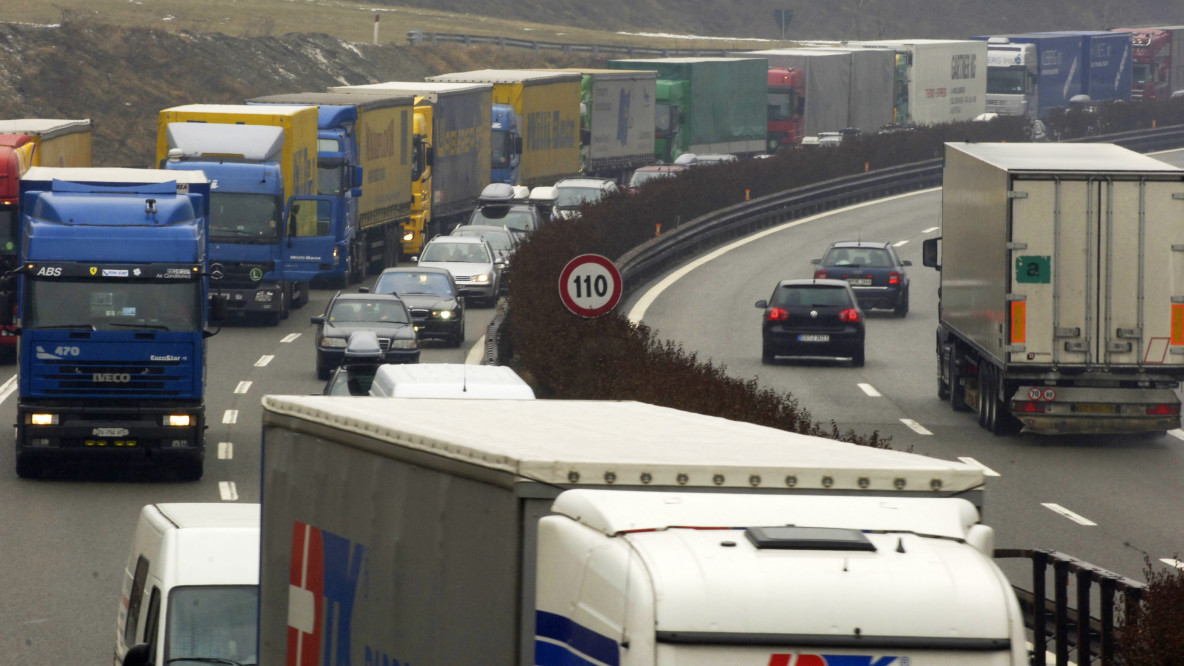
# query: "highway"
1105,500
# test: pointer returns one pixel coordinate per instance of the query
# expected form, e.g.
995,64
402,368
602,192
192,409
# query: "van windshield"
210,623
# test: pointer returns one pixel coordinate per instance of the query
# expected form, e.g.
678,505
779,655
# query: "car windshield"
503,216
212,624
498,240
574,197
810,296
368,311
863,257
470,253
408,282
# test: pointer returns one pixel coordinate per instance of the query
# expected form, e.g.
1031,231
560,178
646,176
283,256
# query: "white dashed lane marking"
916,427
230,417
290,337
899,243
1177,433
228,491
869,390
264,360
242,387
1173,563
1080,520
225,450
987,471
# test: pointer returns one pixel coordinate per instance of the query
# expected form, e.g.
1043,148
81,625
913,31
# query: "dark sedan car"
437,308
872,269
812,319
383,314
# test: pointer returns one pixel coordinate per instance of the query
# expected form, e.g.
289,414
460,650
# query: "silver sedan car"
471,262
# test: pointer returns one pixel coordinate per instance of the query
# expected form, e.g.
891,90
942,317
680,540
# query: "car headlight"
404,344
334,343
483,277
442,314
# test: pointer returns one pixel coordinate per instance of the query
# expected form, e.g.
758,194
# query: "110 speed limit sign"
590,285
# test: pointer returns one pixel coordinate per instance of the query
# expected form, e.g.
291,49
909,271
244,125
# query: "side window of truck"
133,601
152,620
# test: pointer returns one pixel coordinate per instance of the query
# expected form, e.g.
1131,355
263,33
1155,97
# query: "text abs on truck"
1062,293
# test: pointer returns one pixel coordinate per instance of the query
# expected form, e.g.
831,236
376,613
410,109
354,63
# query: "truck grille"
238,274
113,378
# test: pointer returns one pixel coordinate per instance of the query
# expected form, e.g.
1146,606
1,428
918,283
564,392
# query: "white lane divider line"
243,387
290,337
7,388
987,471
1172,563
916,427
899,243
930,230
227,490
230,417
225,450
869,390
1057,508
264,360
1177,433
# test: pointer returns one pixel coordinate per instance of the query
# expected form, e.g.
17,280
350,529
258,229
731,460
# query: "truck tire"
191,468
957,392
1000,421
27,467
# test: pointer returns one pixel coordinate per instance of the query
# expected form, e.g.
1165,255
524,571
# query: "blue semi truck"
113,310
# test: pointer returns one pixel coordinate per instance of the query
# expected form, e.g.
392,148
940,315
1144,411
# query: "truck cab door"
312,229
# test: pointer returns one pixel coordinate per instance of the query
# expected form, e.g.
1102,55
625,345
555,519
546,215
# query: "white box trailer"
408,529
1062,287
947,78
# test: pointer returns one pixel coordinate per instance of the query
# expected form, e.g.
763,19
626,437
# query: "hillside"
121,77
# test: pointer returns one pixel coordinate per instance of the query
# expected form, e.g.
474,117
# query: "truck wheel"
190,469
27,467
957,392
1001,421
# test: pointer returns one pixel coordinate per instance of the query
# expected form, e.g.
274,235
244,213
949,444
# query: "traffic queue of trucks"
560,532
1059,309
1158,61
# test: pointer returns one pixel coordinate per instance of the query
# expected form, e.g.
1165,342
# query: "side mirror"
905,262
318,320
363,290
355,192
6,303
430,156
930,248
762,304
517,145
815,261
358,176
139,654
217,310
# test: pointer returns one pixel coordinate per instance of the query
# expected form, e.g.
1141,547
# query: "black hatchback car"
812,319
872,269
385,315
437,308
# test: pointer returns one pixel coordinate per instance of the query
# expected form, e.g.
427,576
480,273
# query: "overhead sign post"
590,285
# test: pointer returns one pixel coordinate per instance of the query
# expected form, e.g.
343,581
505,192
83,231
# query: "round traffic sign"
590,285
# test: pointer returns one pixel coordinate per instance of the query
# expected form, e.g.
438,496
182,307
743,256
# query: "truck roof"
411,87
687,59
873,552
45,127
113,175
527,76
216,543
334,98
1084,157
269,110
260,143
568,442
201,515
448,380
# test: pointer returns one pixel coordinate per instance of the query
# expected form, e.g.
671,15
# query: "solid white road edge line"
228,491
916,427
225,450
1057,508
476,352
869,390
637,312
987,471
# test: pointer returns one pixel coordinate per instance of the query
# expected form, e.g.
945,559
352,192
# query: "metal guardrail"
415,37
1070,628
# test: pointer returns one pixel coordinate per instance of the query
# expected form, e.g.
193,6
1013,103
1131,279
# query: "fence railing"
415,37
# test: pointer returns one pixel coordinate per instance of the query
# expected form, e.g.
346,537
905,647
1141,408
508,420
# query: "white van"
449,380
191,585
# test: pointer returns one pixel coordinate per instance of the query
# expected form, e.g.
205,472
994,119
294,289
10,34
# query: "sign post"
783,18
590,286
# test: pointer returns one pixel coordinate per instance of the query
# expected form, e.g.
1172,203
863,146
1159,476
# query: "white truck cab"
690,578
191,586
449,380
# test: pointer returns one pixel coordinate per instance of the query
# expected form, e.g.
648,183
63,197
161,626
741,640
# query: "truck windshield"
1142,73
330,180
1010,81
113,305
781,104
211,623
244,217
499,140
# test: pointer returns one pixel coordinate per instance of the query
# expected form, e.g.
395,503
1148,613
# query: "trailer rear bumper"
1070,410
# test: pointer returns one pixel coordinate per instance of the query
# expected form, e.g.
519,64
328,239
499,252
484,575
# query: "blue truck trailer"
1059,71
1107,63
112,305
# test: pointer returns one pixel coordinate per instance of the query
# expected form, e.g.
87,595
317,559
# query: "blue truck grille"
238,274
116,378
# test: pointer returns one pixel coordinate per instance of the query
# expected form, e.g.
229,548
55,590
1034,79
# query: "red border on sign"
570,268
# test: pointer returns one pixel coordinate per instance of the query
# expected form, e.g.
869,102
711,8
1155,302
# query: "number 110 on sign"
590,285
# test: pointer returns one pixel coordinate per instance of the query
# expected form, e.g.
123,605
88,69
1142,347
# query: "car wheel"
767,356
457,338
857,358
902,308
322,370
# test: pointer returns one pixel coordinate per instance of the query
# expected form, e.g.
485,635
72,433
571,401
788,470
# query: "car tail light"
1161,410
820,274
1030,407
849,315
778,314
893,277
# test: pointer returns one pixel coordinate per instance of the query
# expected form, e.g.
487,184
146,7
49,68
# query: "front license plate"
813,337
859,282
110,432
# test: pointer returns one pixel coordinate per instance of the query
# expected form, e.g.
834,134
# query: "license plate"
1095,409
859,282
813,337
110,432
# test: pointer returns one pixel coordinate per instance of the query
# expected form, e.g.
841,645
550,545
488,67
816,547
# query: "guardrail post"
1060,581
1106,598
1084,579
414,37
1039,610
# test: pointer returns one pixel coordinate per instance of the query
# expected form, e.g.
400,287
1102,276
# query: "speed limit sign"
590,285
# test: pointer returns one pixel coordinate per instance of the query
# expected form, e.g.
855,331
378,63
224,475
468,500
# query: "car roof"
457,239
585,182
417,269
806,282
367,296
663,167
870,244
478,227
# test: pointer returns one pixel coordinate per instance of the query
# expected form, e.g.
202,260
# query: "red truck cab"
1151,57
786,103
16,156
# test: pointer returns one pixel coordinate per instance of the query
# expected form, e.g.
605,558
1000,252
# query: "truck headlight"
263,296
408,237
334,343
404,344
43,419
483,277
177,420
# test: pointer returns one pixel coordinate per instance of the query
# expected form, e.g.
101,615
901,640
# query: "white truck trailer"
947,78
423,531
1062,287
